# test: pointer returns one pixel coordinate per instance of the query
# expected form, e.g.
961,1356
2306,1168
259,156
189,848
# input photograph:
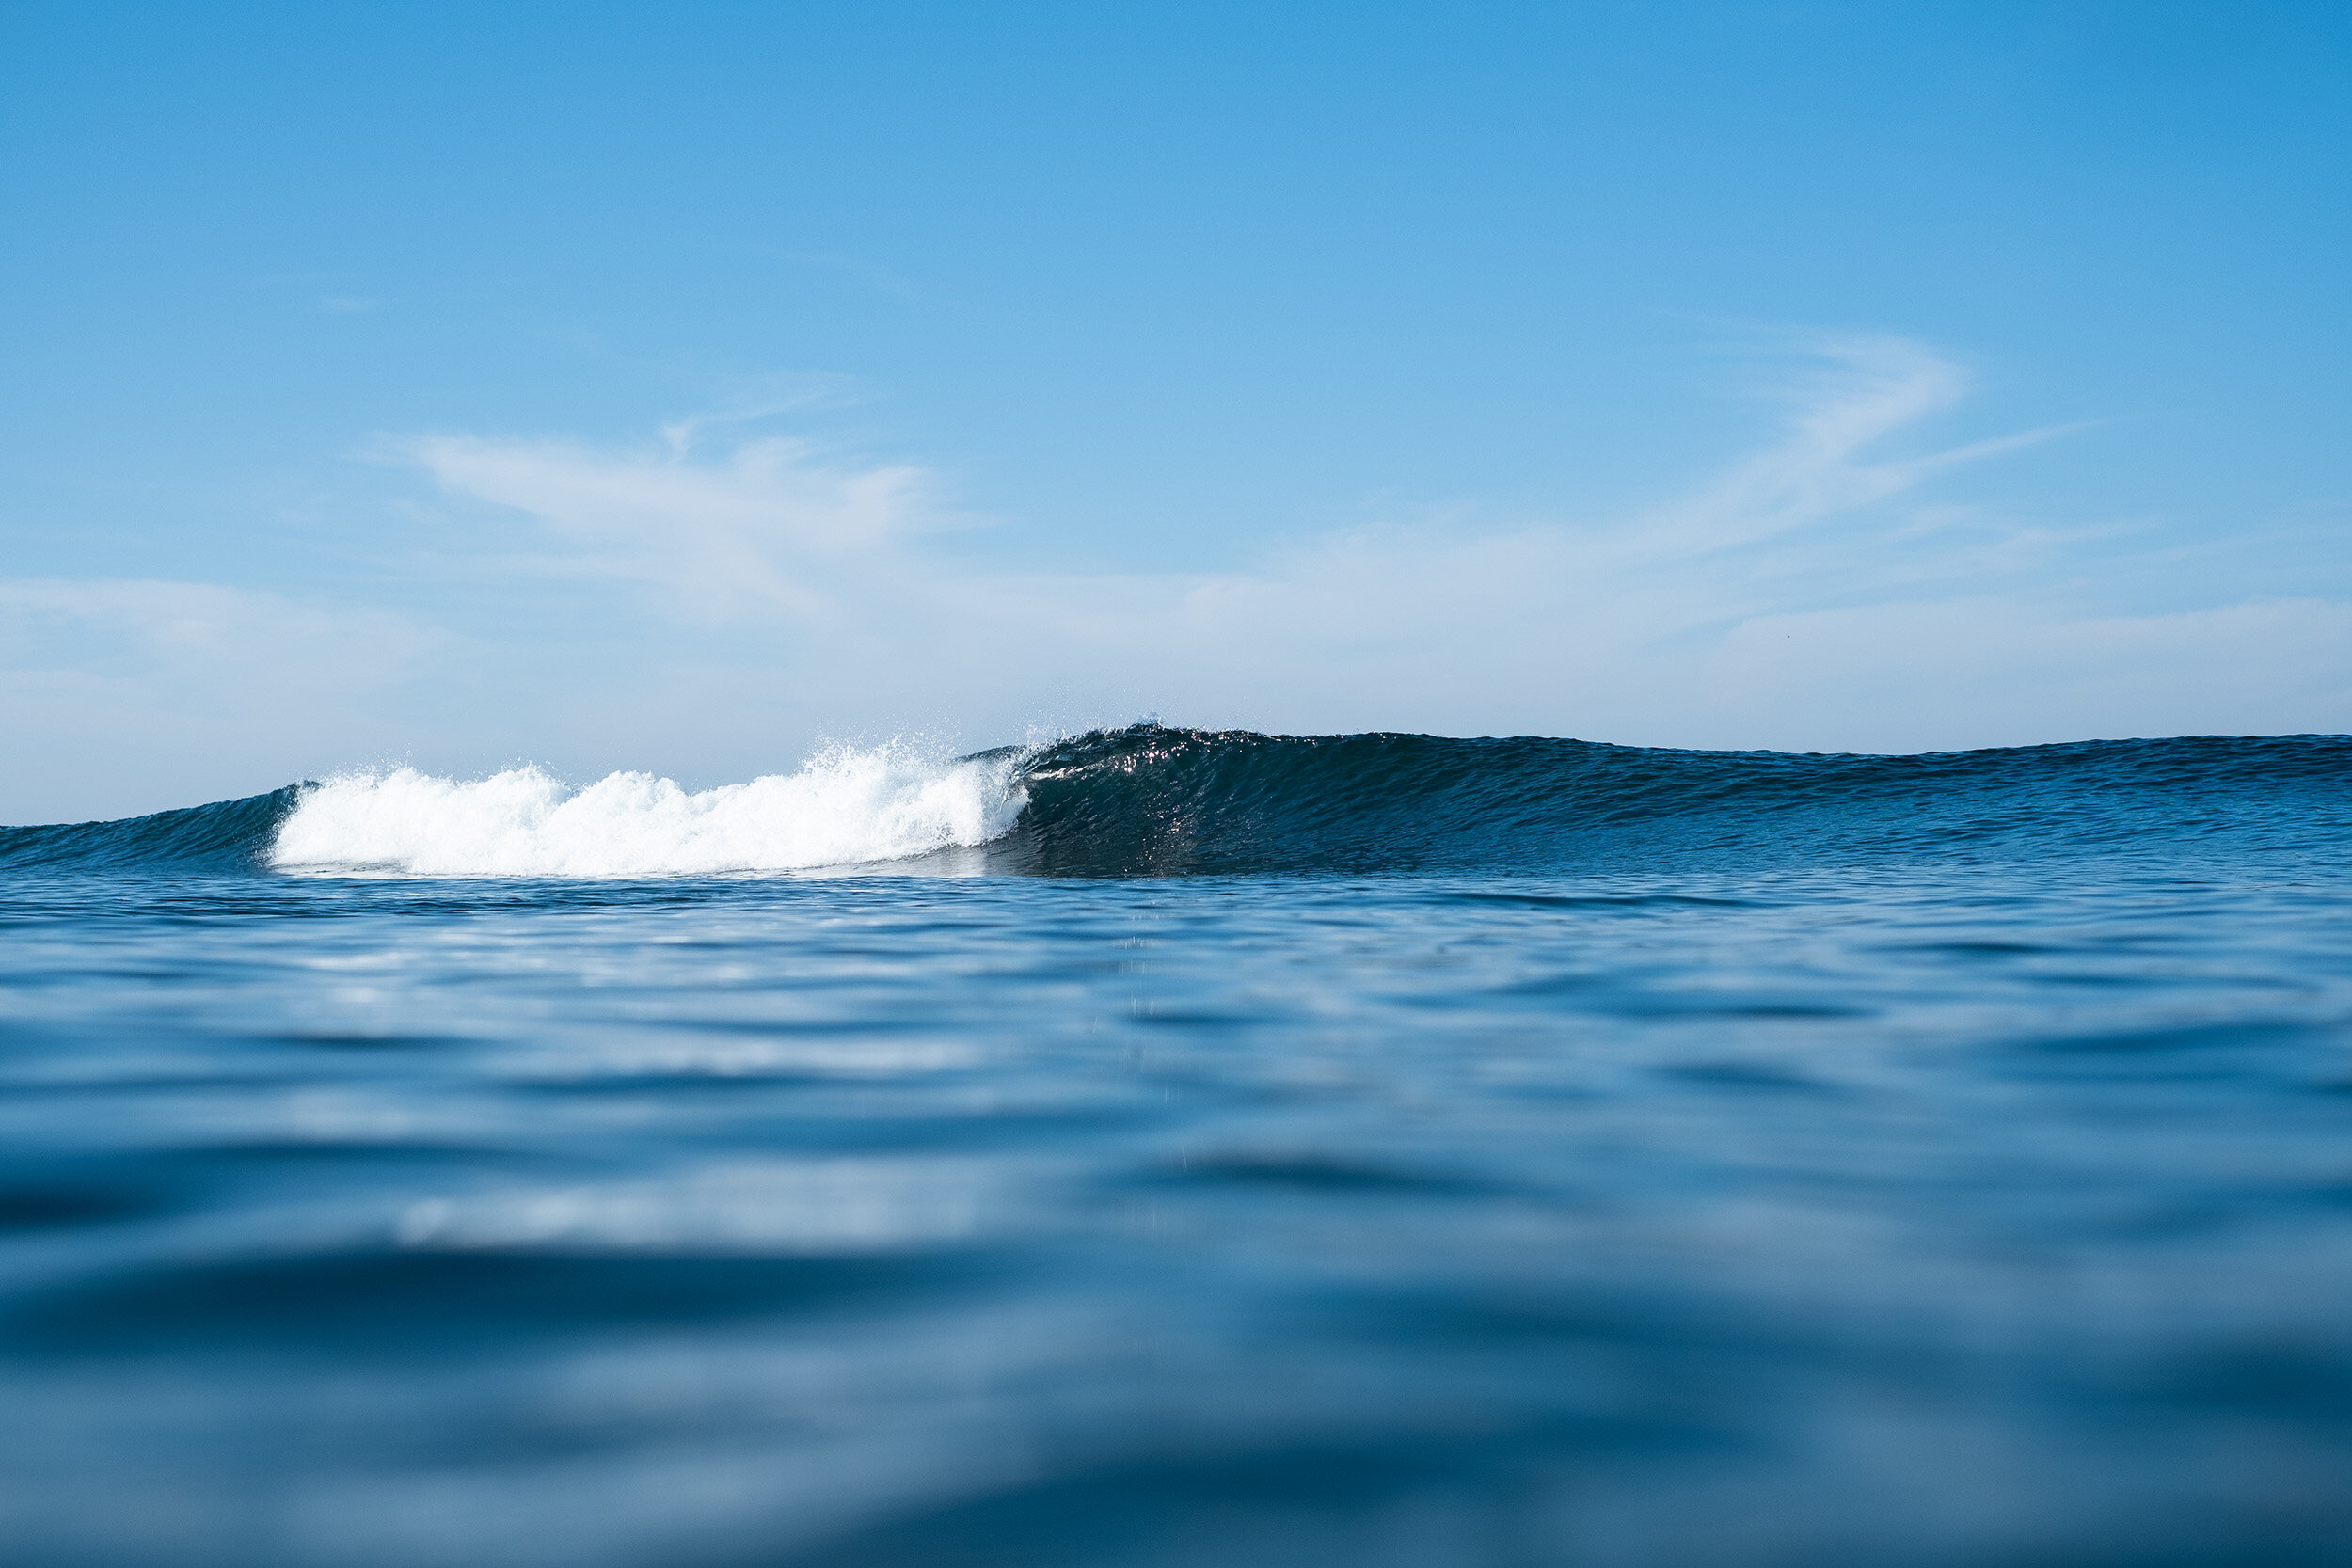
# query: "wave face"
1150,800
227,835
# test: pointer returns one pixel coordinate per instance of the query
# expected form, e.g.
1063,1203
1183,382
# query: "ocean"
1166,1147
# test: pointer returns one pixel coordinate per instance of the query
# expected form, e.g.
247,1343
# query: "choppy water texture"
1205,1149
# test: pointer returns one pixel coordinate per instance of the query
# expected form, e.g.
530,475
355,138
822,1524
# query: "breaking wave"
1151,801
847,807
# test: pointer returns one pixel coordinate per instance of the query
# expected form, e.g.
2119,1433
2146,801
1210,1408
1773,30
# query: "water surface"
1378,1150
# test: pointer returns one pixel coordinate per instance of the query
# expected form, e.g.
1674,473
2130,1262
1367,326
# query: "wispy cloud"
760,398
1870,390
773,524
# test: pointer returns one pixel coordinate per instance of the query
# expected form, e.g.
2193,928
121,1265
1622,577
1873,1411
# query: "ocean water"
1166,1147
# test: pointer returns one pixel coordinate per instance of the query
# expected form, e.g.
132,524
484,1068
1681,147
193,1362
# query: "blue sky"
679,388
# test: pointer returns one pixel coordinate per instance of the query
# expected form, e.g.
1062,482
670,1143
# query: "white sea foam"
843,807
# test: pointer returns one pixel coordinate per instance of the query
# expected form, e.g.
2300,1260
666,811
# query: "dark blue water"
1379,1151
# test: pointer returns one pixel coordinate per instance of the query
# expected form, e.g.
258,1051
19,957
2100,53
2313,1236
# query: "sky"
689,387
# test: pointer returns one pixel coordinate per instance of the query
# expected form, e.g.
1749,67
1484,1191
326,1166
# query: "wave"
1153,800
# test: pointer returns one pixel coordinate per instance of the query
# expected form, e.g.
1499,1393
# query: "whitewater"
843,807
1165,1147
